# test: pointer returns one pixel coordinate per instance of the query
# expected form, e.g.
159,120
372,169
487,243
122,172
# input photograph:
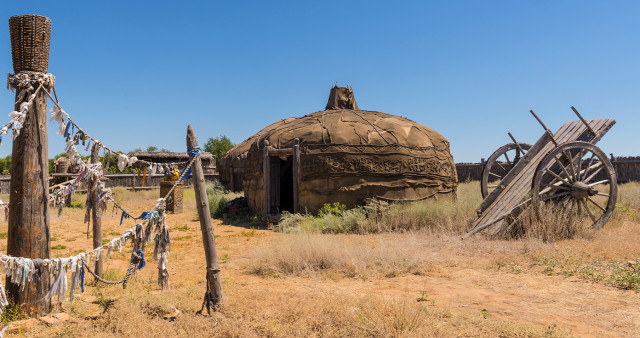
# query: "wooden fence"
627,168
129,181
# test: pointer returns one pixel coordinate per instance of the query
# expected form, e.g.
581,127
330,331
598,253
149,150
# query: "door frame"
266,172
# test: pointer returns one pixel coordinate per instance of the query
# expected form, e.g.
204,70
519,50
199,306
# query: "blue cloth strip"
142,262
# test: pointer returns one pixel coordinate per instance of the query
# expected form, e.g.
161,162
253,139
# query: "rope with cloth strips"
59,287
24,81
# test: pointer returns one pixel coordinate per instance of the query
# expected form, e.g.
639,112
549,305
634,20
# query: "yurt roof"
342,123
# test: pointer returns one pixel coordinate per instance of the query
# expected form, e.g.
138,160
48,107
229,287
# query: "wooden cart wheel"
578,178
499,164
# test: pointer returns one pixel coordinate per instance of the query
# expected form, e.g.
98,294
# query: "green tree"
5,165
218,147
152,148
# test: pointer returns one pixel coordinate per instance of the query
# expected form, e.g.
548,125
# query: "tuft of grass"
348,255
58,247
77,202
3,235
218,196
112,274
12,312
379,318
251,233
183,227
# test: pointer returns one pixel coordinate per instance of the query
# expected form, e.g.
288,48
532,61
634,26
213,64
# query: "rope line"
133,266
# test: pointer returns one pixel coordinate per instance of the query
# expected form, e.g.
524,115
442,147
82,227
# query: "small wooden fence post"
214,285
96,215
28,234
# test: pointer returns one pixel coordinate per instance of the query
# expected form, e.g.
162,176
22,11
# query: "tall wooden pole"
96,215
28,234
214,284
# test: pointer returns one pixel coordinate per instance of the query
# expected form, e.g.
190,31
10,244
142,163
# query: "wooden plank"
265,177
296,175
214,283
281,152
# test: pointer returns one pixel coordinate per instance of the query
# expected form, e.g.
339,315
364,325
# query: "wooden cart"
565,169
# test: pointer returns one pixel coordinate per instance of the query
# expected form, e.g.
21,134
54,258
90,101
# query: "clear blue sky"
135,73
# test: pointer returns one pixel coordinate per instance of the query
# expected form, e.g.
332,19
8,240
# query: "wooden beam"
281,152
214,284
96,215
266,169
296,175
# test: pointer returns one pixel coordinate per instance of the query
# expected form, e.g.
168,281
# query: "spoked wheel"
499,164
578,178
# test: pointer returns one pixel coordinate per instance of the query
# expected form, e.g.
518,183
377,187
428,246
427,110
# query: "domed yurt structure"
341,154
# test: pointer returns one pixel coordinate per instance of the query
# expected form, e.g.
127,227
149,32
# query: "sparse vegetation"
569,263
437,216
316,279
348,255
218,197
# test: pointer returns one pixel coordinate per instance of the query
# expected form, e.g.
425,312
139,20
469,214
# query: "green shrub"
217,205
218,197
332,209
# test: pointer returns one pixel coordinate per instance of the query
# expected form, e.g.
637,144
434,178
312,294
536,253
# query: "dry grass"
443,215
307,283
348,255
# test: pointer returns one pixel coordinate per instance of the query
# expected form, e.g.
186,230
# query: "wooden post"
231,183
296,175
28,234
96,215
214,285
266,171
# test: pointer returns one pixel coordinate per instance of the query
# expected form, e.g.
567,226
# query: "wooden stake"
29,194
96,215
214,285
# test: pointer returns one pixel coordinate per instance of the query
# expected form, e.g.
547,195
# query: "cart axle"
580,190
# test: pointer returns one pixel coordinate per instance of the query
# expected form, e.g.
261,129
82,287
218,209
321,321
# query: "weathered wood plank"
266,160
296,175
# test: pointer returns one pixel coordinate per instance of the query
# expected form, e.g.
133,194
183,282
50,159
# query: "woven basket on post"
30,37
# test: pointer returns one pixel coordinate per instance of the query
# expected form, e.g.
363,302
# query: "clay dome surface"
341,154
348,156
